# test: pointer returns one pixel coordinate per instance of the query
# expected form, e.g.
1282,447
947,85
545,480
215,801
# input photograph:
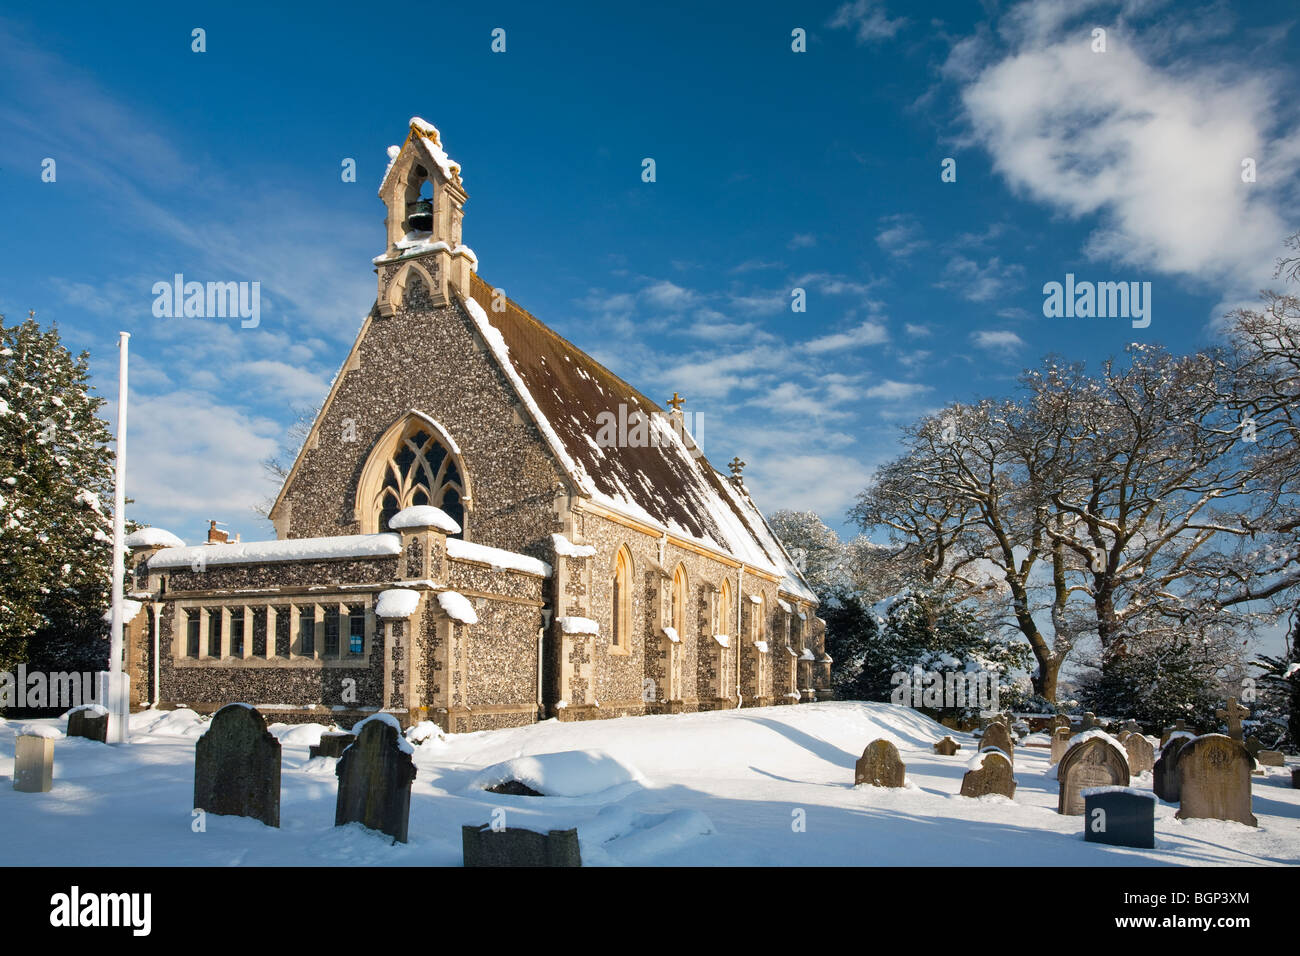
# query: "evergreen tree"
1155,682
56,472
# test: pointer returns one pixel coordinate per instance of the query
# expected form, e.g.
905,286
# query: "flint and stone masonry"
556,578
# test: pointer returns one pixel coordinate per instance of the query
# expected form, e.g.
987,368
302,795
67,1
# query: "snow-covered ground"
767,786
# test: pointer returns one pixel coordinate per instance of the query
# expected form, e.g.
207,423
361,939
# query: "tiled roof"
659,482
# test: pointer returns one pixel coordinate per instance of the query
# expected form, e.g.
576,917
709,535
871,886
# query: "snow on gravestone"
1215,774
998,736
991,772
1141,755
880,766
33,763
1165,780
947,746
1095,761
237,766
375,776
90,722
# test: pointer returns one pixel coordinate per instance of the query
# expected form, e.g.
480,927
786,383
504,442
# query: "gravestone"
1057,722
1232,715
1141,755
1123,735
1165,780
33,763
1060,743
947,747
1271,758
1254,746
515,846
1093,763
375,776
997,735
1295,778
1215,774
993,775
331,745
237,766
89,723
1120,817
879,766
1179,727
1132,727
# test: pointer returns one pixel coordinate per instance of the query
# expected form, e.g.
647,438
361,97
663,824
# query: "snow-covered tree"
815,548
56,473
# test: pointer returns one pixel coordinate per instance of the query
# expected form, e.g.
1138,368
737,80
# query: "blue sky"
775,170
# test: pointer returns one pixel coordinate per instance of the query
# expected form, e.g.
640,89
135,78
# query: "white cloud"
901,237
867,19
892,391
802,240
1152,152
866,333
997,340
980,283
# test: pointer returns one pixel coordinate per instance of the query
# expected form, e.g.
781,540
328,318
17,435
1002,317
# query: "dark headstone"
84,722
947,747
1254,746
997,735
1092,763
515,846
515,788
375,776
237,766
332,744
1119,818
1165,780
994,775
1295,778
1215,774
880,765
1060,720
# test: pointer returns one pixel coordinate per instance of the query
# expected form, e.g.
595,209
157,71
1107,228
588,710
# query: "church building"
465,538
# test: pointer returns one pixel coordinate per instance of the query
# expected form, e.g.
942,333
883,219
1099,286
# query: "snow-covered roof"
152,538
498,558
397,603
457,607
287,549
663,482
567,549
578,625
424,516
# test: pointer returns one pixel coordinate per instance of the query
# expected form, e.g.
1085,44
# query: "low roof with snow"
662,484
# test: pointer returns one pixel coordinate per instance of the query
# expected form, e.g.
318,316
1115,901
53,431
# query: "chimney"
216,535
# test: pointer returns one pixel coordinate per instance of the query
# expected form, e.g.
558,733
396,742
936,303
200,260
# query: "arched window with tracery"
724,611
621,607
415,463
679,601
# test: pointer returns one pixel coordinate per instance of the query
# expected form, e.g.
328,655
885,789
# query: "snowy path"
741,775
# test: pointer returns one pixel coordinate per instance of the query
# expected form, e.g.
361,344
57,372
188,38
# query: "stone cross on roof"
1232,714
676,401
737,466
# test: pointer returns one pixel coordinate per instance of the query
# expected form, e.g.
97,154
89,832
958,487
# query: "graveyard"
837,783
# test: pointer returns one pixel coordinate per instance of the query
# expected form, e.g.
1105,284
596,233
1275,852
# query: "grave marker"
375,776
33,763
1165,780
1120,817
997,735
993,774
1095,762
880,766
1215,774
516,846
1232,715
237,766
947,746
90,722
1141,755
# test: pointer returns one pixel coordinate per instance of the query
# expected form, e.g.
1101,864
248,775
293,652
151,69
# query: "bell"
419,215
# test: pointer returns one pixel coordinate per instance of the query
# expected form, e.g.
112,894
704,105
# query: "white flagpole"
116,698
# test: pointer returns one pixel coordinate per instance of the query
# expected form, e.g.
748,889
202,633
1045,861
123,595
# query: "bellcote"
425,199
